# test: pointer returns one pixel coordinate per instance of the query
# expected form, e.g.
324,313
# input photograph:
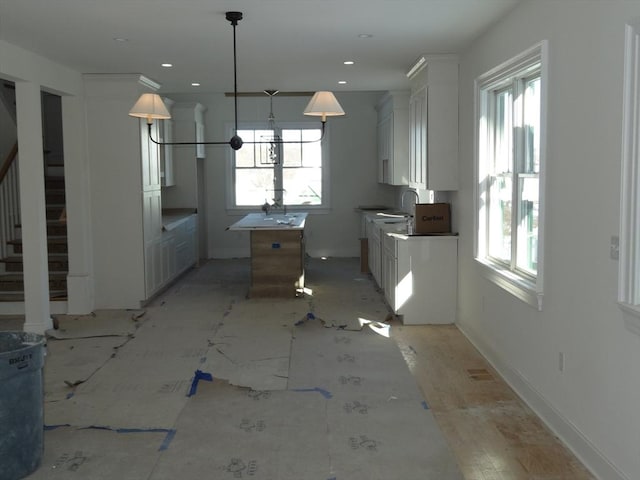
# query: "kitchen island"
277,253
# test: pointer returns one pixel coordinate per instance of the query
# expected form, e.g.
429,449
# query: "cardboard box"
433,218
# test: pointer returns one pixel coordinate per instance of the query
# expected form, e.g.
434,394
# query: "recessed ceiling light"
195,84
365,35
342,82
167,65
349,62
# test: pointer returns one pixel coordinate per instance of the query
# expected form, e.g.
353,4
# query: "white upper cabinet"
165,134
433,119
393,138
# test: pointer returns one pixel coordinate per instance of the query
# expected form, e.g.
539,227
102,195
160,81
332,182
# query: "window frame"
523,284
230,196
629,240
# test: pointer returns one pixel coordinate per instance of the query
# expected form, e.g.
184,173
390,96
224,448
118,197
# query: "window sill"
631,317
518,286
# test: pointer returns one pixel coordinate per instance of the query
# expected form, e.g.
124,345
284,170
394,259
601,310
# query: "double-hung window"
510,173
629,246
282,175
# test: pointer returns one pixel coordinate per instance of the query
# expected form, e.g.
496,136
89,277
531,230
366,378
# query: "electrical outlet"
614,248
561,360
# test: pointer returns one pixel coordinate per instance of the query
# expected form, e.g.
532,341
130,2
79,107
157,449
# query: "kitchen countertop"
406,236
260,221
173,217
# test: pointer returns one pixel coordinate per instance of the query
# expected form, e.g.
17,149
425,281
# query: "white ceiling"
289,45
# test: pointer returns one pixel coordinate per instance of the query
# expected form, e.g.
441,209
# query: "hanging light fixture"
151,107
272,156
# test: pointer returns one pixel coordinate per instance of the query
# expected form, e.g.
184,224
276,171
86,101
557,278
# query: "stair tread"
8,276
17,257
55,222
19,296
50,239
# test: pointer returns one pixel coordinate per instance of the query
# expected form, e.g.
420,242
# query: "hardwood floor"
493,434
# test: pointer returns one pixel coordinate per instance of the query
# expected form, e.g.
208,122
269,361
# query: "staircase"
11,280
11,260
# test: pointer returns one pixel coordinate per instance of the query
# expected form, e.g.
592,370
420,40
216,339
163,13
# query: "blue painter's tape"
325,393
309,316
424,405
275,245
167,440
199,375
170,432
53,427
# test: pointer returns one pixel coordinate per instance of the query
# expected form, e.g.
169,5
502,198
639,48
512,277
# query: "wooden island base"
277,263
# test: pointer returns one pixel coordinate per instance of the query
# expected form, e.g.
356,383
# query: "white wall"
594,403
353,170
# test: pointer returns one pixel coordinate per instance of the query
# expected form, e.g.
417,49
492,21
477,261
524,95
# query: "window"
290,174
629,257
510,167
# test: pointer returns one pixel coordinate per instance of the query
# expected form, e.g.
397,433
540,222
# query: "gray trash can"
21,403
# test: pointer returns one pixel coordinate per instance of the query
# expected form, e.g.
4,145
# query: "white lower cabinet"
170,255
373,241
420,277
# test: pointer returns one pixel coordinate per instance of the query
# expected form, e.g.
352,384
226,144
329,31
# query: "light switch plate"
614,248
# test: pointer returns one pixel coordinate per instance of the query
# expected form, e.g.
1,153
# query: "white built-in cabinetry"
178,247
187,126
393,138
417,273
129,249
165,134
433,114
420,277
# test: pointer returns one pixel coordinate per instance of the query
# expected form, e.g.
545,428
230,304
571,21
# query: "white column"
80,288
33,211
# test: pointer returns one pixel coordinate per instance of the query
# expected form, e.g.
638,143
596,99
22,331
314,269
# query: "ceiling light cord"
236,141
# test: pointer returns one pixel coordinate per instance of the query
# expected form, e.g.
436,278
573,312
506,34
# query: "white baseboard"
570,435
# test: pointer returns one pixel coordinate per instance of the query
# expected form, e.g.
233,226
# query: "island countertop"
260,221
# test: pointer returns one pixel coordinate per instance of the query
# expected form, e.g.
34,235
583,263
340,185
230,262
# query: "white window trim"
232,209
529,290
629,258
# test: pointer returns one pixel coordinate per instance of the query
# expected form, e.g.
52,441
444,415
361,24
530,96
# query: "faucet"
410,226
409,191
276,201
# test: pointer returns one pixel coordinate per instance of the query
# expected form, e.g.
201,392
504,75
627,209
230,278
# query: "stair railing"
9,201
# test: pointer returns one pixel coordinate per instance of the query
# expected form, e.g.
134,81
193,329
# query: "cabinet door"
150,157
418,139
442,155
384,148
389,275
166,154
